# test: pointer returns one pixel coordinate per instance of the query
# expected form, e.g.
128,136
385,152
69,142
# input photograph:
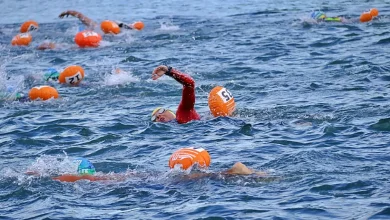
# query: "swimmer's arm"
84,19
334,19
188,94
46,46
240,169
182,78
106,177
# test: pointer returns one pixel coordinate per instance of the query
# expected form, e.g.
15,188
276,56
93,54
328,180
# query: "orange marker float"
23,39
87,39
374,12
365,17
43,93
221,102
139,25
72,75
110,27
187,157
29,26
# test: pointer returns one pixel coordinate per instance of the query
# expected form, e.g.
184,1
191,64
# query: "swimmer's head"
85,167
51,74
162,115
318,15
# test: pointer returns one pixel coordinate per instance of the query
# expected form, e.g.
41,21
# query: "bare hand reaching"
159,71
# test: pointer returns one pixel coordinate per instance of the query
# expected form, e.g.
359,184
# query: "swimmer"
320,16
51,75
84,170
185,111
89,23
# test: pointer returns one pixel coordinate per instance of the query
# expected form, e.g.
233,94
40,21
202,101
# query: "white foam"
119,77
168,26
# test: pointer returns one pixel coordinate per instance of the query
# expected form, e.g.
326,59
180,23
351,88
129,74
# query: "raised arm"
84,19
188,97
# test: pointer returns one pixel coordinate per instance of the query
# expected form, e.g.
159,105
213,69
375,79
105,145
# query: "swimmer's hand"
65,14
159,71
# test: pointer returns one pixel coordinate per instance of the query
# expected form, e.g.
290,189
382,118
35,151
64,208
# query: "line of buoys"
72,75
187,157
221,102
110,27
29,26
23,39
43,93
87,39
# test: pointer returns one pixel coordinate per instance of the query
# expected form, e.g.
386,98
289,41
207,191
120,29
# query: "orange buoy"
28,26
374,12
110,27
87,39
221,102
72,75
43,92
365,17
187,157
139,25
23,39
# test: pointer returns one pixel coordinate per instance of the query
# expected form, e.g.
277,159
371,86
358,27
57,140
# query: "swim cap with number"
221,102
187,157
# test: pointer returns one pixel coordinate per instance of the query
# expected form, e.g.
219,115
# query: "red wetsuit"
186,111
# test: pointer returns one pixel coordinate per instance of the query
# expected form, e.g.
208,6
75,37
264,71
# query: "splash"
168,26
119,77
47,165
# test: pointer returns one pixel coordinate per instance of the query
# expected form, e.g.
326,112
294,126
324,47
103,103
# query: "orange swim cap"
23,39
365,17
139,25
187,157
221,102
72,75
87,39
43,92
28,26
110,27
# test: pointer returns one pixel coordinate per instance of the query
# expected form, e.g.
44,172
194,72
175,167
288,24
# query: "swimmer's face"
163,115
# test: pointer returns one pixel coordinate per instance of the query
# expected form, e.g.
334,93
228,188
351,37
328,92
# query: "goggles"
160,111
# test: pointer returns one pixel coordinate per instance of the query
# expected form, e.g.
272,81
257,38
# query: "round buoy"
23,39
187,157
28,26
374,12
110,27
139,25
221,102
365,17
72,75
43,92
87,39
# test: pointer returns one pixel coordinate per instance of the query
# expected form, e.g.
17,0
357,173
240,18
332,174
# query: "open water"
312,99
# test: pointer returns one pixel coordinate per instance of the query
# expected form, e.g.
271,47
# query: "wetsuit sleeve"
188,96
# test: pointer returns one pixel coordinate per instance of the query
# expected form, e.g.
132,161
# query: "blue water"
312,100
